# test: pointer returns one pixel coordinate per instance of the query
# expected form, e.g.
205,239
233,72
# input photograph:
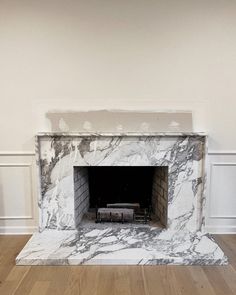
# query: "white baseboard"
220,229
18,230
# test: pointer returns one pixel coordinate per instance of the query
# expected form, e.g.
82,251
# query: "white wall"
127,54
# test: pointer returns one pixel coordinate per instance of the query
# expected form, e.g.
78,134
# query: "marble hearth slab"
121,245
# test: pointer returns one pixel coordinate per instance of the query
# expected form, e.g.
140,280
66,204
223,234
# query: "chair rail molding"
17,153
223,152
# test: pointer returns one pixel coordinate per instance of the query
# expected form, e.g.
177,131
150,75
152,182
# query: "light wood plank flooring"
113,280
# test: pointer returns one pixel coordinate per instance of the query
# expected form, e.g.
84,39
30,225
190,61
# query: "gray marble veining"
183,153
121,245
182,243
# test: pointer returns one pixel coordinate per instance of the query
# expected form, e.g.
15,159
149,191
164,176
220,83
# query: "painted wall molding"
21,217
19,221
217,219
17,153
221,229
212,165
18,230
223,152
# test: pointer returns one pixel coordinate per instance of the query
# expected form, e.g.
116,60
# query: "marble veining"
183,153
182,243
121,245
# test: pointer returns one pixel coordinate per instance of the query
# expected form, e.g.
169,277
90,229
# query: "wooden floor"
145,280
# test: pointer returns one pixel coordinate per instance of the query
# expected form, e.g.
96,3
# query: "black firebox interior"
124,184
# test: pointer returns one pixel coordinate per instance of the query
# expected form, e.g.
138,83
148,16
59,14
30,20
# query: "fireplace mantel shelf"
110,134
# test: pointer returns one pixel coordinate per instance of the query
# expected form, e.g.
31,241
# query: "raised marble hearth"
64,159
121,245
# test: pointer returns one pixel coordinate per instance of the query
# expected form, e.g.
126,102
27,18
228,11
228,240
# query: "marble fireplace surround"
185,156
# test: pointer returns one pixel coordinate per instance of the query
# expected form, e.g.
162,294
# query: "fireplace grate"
122,212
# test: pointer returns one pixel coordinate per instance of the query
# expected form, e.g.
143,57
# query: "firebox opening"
109,185
133,194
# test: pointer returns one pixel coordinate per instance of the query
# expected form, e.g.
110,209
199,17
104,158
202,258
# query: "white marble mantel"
183,153
183,242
